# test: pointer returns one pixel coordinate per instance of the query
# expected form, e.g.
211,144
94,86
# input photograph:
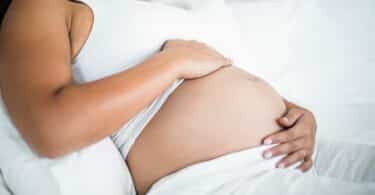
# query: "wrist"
172,63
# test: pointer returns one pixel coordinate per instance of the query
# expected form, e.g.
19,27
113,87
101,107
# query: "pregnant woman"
163,127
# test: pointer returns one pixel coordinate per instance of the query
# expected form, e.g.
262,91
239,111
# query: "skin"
57,116
228,111
297,140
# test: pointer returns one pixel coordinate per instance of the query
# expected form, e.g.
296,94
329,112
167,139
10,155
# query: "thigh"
345,161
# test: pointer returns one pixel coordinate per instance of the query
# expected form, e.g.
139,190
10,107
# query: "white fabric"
185,4
96,170
270,25
148,26
112,47
21,170
318,53
3,187
343,169
345,108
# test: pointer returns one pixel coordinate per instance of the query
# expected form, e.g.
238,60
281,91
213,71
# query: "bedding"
191,5
3,187
18,163
246,172
99,169
316,52
149,25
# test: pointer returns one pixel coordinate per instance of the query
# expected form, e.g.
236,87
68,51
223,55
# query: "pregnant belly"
224,112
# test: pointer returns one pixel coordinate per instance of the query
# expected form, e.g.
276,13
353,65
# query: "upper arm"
34,56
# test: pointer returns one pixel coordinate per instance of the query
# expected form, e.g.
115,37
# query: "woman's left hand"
296,141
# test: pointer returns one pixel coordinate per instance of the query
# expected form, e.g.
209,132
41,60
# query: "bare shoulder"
34,44
29,21
36,12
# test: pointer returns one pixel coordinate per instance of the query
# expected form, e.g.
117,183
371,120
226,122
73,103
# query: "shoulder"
47,6
31,14
38,3
30,21
33,27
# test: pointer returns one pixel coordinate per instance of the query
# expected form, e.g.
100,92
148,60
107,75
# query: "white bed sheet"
319,53
316,52
3,187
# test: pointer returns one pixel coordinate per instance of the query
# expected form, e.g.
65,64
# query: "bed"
321,56
318,53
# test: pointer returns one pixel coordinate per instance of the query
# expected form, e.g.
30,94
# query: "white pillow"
209,21
98,169
149,24
23,172
189,4
95,170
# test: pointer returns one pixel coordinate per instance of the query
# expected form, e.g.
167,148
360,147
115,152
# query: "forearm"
81,114
52,113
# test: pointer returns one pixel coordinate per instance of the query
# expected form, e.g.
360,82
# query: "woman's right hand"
194,59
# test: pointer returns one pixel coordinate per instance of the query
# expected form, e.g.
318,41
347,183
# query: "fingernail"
267,155
268,141
281,166
285,119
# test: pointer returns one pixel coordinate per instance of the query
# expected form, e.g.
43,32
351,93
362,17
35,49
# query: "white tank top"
126,32
107,52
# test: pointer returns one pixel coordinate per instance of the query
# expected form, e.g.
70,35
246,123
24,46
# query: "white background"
319,53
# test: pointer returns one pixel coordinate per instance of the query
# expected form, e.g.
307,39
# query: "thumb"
290,118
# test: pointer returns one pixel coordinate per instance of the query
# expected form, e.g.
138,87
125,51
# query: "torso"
227,111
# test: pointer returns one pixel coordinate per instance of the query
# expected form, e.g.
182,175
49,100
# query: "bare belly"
227,111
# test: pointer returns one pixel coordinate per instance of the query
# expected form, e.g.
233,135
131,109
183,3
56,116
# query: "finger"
290,118
284,149
291,159
284,136
306,165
